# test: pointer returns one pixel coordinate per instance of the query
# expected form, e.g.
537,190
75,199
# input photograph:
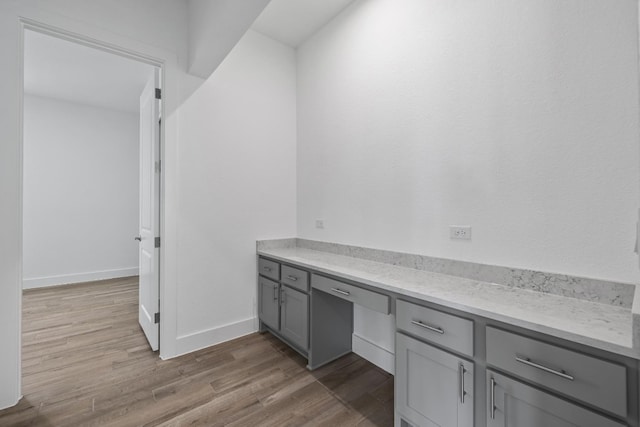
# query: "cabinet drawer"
592,380
295,278
440,328
355,294
268,268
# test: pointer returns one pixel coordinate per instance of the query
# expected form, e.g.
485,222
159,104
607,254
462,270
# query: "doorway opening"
91,199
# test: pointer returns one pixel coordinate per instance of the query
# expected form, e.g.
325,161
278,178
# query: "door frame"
166,62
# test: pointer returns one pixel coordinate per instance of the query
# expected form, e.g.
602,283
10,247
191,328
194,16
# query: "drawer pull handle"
492,398
431,328
292,278
528,362
461,372
341,292
266,268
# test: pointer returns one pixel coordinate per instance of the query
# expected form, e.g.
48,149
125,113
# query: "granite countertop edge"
611,329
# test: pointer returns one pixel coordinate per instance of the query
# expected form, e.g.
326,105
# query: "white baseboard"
41,282
375,354
203,339
8,403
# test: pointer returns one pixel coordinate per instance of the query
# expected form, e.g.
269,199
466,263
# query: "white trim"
20,202
40,27
9,403
203,339
375,354
65,279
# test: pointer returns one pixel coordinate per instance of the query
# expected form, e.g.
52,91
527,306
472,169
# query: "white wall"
80,206
215,26
238,145
517,118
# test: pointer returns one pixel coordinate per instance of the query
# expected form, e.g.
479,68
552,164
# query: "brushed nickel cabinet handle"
266,268
492,398
340,291
138,238
461,372
292,278
528,362
428,327
275,292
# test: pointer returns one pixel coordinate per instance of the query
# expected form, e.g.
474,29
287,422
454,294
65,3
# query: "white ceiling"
73,72
69,71
293,21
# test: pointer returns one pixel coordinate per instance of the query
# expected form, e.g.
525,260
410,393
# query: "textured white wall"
80,185
238,148
517,118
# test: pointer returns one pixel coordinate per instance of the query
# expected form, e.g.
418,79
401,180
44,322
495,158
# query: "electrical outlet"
460,232
319,224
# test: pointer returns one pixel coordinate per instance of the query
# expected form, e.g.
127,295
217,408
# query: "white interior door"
149,310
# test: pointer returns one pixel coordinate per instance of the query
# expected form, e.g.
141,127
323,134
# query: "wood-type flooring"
86,362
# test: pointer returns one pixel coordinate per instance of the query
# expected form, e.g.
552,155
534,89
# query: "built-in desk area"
467,353
331,316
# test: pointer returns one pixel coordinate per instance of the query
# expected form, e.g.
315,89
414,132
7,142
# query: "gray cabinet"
268,302
531,381
295,278
283,310
442,329
268,268
512,403
433,388
355,294
294,316
589,379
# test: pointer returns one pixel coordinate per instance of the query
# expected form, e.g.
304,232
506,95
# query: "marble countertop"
602,326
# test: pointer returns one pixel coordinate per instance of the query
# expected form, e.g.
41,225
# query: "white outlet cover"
460,232
319,223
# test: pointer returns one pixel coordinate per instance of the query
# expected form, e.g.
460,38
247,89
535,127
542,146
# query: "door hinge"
157,242
158,93
158,166
156,318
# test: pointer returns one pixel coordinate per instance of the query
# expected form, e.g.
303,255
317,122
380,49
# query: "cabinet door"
516,404
433,388
294,317
269,302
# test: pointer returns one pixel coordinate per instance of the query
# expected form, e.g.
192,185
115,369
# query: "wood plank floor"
86,363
